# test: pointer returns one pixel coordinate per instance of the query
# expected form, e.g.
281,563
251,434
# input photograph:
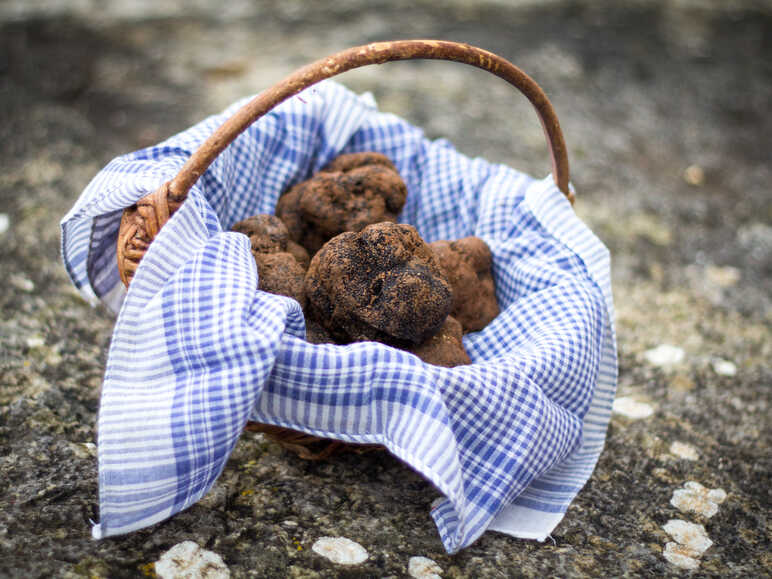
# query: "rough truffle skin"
382,283
267,233
445,348
467,265
281,274
353,191
350,161
316,334
281,263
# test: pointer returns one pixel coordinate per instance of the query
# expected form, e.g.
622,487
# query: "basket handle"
141,223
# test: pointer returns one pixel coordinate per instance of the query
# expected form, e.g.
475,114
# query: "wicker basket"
141,222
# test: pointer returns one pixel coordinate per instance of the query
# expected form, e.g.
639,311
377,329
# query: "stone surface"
643,90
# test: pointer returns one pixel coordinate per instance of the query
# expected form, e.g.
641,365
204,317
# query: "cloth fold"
198,350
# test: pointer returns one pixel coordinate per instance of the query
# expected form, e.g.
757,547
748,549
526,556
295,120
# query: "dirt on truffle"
467,265
281,264
267,233
382,284
353,191
445,348
316,333
280,273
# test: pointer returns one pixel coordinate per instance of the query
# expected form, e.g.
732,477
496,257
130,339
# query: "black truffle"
445,348
353,191
281,263
382,283
467,265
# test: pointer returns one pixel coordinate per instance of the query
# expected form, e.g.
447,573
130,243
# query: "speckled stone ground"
665,107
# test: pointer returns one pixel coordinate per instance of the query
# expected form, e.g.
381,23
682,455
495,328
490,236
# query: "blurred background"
665,107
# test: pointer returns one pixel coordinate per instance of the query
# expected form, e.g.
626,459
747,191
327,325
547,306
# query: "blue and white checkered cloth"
197,350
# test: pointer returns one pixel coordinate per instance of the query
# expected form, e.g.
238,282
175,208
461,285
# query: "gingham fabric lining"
196,351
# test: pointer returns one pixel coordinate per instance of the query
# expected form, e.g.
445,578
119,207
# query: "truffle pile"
350,193
334,246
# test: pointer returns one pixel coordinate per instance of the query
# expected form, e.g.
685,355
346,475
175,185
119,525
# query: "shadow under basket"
142,221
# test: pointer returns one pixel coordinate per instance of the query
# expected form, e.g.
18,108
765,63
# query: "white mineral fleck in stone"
718,496
664,355
22,283
680,556
340,550
724,367
423,568
84,449
683,450
631,408
5,222
695,498
187,560
689,535
723,276
694,175
35,341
